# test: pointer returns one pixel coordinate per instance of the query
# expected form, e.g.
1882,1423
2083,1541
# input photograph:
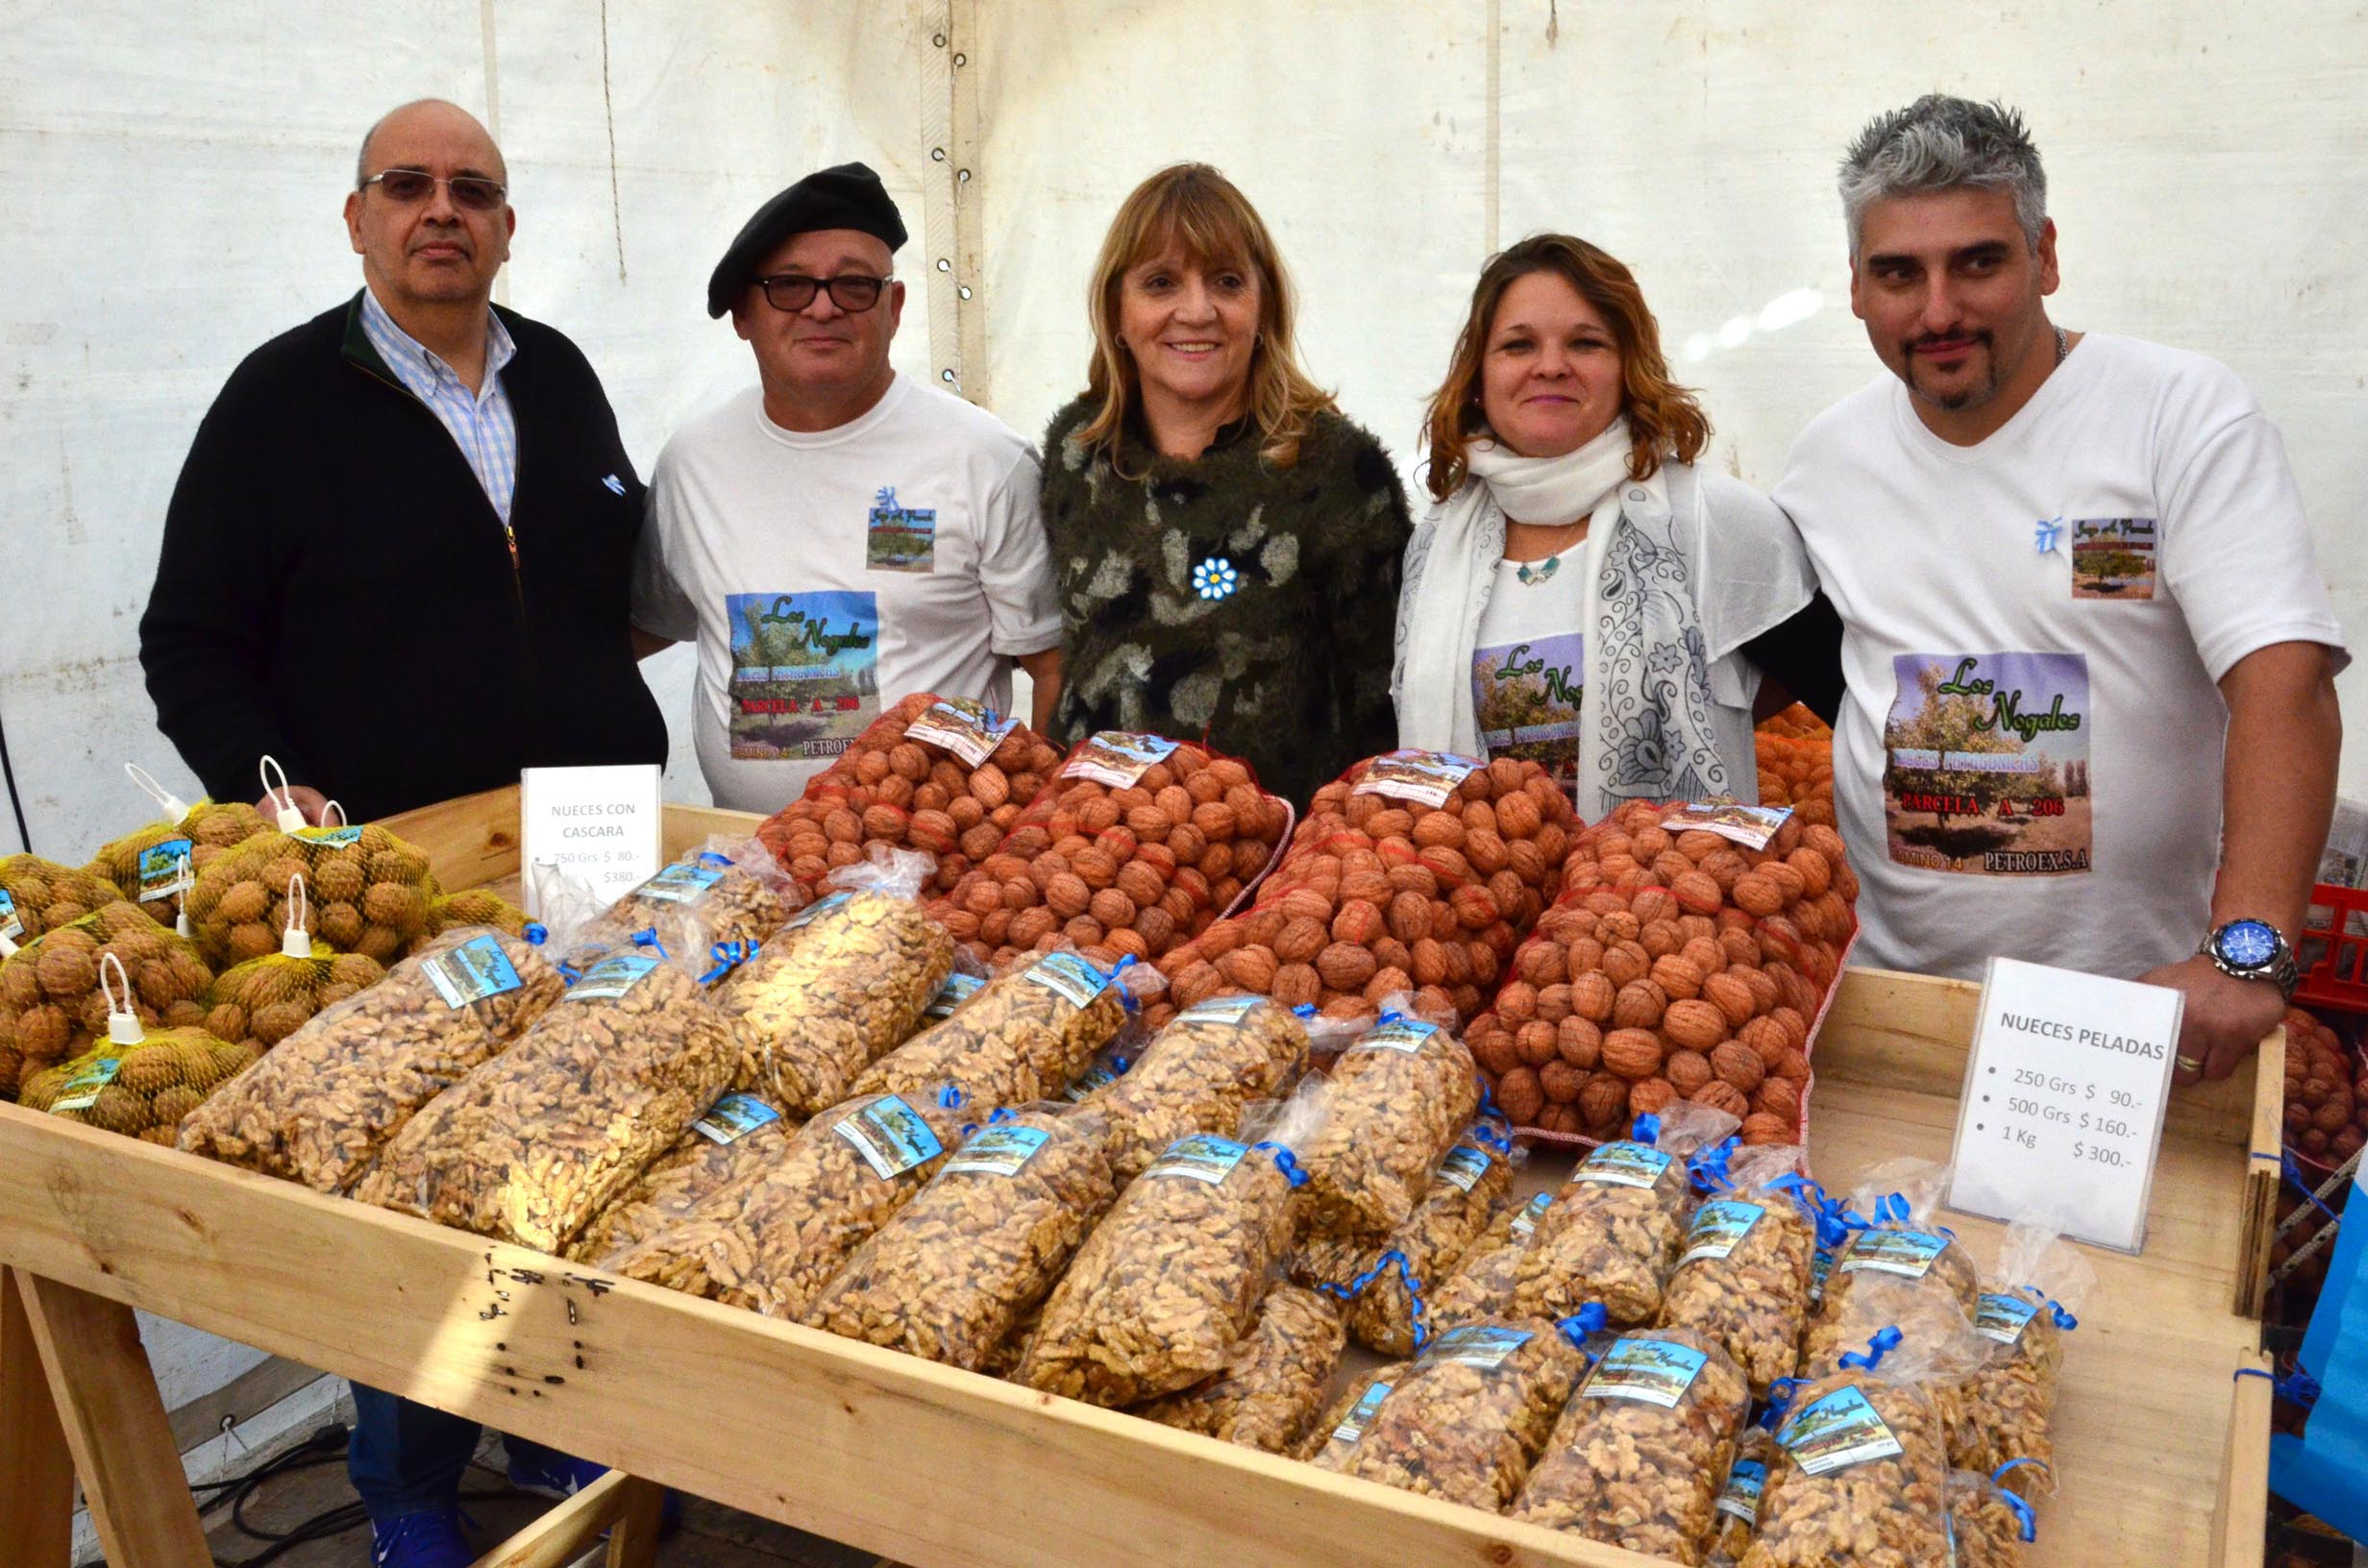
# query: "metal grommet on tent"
937,155
964,291
945,375
944,265
939,39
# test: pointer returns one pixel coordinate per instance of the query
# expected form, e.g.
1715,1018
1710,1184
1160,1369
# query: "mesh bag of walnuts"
1482,1283
266,999
1023,1038
1988,1524
1387,1283
140,1089
1171,1279
1470,1417
1679,963
735,1137
945,775
1741,1281
319,1107
1638,1457
772,1236
846,981
1133,845
535,1142
153,864
1401,1097
1201,1074
1613,1230
1274,1383
1756,1454
471,906
368,894
37,896
2039,1283
52,1009
1343,1423
1893,1237
1865,1454
957,1268
1413,872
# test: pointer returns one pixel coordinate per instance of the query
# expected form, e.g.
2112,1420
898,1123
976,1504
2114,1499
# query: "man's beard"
1971,397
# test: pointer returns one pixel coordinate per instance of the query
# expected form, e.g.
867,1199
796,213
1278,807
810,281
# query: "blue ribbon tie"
1877,1348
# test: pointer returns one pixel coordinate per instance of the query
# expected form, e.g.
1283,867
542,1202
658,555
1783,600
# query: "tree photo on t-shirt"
1527,695
2114,557
1987,763
805,672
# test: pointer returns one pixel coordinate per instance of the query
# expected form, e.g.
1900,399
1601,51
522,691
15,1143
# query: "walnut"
321,1104
1637,1459
1267,1395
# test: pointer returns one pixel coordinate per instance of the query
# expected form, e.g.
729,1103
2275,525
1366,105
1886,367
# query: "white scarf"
1647,732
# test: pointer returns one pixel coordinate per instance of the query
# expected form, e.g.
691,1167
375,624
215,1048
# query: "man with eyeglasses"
397,561
398,556
837,533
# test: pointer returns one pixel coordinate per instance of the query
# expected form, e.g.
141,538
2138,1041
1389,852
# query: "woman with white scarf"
1579,593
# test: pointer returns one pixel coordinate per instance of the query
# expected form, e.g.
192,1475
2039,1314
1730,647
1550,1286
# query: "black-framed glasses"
794,291
470,191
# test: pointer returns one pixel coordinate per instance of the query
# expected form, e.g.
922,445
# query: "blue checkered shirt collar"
481,424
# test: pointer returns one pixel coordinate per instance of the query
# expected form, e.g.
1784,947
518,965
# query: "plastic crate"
2334,950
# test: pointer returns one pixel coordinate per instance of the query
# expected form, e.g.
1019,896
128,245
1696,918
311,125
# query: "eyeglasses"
470,192
794,291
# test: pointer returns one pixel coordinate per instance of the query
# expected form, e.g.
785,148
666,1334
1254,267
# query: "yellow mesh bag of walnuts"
51,1006
151,866
140,1090
37,896
367,892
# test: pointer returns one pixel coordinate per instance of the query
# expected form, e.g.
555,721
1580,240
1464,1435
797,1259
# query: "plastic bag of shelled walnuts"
1413,872
1134,844
946,775
1677,965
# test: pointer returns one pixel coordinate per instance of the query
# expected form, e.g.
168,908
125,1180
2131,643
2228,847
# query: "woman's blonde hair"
1193,208
1666,418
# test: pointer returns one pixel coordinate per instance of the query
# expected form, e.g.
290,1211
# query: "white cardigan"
1749,572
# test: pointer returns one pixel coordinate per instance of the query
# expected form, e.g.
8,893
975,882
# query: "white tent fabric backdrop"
171,182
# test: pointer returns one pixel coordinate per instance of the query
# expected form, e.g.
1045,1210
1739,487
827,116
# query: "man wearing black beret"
836,531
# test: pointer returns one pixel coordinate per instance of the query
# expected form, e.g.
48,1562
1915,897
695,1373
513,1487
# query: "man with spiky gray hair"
2091,717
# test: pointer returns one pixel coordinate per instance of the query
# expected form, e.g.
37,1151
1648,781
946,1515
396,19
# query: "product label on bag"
1089,1083
611,978
1225,1010
1070,976
163,868
957,990
1407,1035
471,972
1821,1267
891,1136
1361,1414
81,1092
1835,1433
1909,1254
1203,1157
1751,826
1654,1371
335,838
997,1151
1477,1344
2002,1318
681,883
1466,1163
1625,1165
733,1117
1719,1228
1525,1223
968,729
1118,758
1742,1496
815,911
1427,779
12,923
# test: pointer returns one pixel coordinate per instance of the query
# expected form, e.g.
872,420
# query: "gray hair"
1943,144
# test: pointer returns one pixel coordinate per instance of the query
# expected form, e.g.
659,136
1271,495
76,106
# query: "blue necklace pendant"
1531,577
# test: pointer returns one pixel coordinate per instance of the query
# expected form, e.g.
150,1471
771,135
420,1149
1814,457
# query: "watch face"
2249,944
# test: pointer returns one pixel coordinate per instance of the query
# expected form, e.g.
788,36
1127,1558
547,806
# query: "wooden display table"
2162,1450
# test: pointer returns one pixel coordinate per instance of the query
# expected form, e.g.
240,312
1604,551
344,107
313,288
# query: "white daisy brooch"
1215,578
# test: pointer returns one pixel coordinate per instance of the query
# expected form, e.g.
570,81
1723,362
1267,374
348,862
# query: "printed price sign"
597,825
2061,1117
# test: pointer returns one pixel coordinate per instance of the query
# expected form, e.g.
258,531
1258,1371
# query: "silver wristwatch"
2253,951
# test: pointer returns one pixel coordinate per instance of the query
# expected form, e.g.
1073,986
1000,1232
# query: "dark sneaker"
430,1538
553,1475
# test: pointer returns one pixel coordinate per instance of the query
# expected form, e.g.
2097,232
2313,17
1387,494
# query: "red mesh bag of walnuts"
944,775
1681,963
1134,844
1414,872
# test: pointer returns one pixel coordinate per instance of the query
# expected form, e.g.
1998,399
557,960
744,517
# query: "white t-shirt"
899,552
2029,757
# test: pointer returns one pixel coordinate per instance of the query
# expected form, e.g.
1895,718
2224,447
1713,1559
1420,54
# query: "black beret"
849,196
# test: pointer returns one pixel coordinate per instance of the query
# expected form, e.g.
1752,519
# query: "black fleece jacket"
336,590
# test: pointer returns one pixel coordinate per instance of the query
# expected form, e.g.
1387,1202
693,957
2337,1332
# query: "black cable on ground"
326,1446
8,770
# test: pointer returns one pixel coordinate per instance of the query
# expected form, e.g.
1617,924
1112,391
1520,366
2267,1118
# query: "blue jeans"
405,1458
